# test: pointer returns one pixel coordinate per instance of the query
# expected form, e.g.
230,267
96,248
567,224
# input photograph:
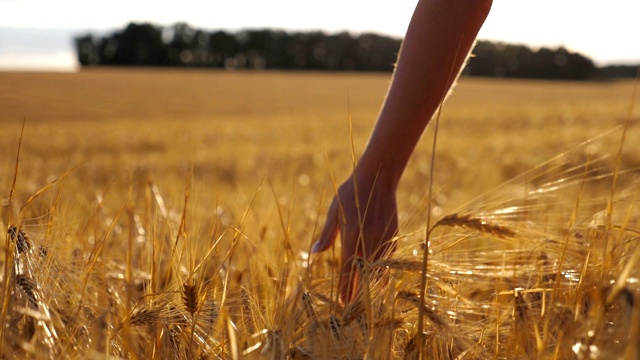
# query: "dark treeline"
619,71
519,61
183,46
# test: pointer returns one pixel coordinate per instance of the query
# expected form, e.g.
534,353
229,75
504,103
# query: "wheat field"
160,213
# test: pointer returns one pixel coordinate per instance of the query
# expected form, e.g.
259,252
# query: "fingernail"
317,247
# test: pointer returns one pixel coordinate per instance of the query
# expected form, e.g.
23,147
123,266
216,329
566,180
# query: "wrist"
383,169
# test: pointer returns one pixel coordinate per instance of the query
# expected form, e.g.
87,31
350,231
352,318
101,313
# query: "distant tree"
376,52
138,44
223,48
186,46
87,49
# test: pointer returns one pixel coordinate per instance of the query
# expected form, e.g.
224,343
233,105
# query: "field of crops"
169,214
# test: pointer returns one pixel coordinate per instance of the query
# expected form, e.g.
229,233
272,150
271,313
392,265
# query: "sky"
38,33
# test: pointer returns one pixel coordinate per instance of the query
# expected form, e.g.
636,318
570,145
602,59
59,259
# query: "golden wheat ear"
29,287
475,223
20,238
191,297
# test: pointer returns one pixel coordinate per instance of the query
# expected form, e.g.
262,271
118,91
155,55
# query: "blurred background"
45,35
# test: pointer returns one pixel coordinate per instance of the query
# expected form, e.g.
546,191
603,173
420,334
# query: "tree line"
181,45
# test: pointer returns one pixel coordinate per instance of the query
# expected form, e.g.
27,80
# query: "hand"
365,213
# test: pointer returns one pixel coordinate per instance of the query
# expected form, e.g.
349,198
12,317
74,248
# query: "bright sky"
605,33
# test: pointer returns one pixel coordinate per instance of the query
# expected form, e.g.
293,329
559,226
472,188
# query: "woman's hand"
364,211
438,40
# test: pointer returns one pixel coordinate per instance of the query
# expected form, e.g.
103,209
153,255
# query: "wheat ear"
23,243
191,297
475,223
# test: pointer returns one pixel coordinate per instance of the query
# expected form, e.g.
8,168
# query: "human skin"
364,211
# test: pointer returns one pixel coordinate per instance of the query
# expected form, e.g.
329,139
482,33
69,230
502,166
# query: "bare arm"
437,43
438,40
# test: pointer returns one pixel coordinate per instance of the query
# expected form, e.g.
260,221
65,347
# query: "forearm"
438,40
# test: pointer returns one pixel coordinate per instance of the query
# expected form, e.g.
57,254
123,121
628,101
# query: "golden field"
179,207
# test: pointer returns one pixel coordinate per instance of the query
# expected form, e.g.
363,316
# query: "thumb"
330,231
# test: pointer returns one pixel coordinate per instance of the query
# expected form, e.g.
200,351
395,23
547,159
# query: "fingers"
347,281
373,250
370,238
330,231
347,275
326,240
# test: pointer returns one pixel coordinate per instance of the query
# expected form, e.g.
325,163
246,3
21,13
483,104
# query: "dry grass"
185,230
